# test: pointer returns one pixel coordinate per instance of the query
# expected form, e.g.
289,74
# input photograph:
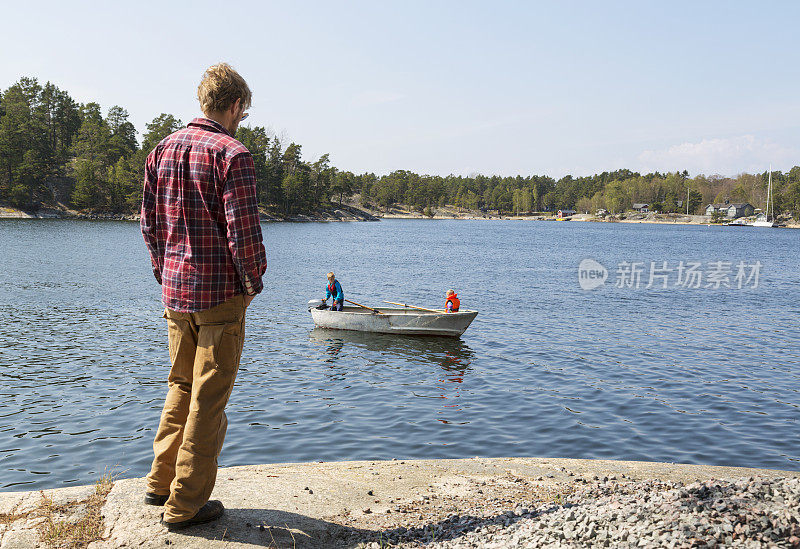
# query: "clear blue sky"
449,86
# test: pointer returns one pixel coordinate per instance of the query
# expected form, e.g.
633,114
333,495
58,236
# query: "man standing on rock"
200,222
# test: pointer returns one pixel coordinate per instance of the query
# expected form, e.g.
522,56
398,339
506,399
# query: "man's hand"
248,299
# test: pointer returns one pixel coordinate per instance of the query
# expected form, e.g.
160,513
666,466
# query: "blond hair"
331,275
220,87
450,292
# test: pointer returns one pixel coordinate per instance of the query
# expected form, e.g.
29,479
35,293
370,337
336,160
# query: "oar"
412,307
364,307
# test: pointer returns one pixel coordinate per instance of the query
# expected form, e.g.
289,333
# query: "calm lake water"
692,375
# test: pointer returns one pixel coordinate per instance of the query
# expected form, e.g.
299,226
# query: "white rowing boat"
393,321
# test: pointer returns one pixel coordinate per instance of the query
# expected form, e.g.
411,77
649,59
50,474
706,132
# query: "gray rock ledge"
479,502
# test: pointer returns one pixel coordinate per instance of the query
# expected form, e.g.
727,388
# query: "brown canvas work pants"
204,348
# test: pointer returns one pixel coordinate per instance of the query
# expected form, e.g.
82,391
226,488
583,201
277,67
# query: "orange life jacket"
454,300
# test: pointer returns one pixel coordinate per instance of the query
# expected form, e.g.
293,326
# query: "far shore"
630,217
354,212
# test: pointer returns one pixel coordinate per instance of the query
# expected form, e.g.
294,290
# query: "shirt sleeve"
339,293
148,220
244,228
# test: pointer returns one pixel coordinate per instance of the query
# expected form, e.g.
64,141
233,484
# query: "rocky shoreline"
339,213
439,504
351,212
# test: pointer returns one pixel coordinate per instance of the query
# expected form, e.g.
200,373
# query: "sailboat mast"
769,193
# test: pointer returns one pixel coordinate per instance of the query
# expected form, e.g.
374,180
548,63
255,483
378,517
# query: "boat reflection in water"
451,355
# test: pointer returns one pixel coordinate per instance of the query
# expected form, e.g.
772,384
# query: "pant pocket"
227,347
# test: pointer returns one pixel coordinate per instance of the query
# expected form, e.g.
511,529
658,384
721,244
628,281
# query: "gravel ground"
748,512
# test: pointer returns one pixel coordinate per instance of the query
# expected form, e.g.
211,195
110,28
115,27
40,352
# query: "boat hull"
394,321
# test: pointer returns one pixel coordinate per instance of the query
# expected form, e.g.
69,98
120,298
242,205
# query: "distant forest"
55,150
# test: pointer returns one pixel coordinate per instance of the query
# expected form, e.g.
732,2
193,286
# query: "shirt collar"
208,124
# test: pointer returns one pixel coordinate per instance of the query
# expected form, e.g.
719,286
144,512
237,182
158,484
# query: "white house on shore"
731,211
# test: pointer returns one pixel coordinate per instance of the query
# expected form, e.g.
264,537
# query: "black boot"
212,510
155,499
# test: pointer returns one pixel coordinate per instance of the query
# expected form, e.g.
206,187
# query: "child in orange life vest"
452,303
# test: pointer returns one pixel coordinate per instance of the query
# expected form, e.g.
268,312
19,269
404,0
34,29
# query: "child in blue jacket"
334,290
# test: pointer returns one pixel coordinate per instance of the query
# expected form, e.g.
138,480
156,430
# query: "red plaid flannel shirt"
200,218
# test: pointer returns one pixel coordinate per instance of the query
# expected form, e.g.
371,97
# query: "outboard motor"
317,304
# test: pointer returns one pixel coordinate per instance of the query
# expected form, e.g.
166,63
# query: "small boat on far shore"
740,222
392,321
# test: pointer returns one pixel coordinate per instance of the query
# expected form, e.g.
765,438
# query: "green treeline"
614,191
54,150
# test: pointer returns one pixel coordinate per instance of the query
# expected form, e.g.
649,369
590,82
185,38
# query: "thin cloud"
721,155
